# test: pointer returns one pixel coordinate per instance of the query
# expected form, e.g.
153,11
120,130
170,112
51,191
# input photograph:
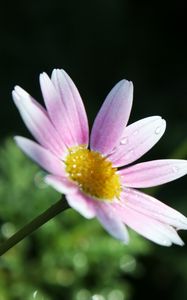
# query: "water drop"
175,169
129,154
166,243
124,141
135,132
158,129
113,150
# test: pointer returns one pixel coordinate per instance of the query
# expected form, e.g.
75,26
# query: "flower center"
93,173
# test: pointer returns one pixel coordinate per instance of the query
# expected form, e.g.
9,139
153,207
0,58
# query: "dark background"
98,43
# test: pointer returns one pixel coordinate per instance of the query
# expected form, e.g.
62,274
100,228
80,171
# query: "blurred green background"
97,43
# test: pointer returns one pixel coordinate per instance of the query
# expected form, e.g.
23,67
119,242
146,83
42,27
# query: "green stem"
47,215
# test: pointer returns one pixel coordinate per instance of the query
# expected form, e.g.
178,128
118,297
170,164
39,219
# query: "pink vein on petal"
153,208
57,110
37,121
73,106
112,118
154,230
153,173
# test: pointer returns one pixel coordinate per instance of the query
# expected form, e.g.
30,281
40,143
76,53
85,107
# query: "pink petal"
153,208
82,203
61,184
137,139
160,233
111,222
57,111
71,108
153,173
37,121
41,156
112,118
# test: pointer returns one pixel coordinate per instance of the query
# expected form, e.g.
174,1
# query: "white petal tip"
19,140
172,238
126,84
43,75
176,239
58,71
15,96
181,243
16,138
19,90
182,222
19,94
160,127
165,243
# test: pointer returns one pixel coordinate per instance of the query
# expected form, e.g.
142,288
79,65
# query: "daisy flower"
95,173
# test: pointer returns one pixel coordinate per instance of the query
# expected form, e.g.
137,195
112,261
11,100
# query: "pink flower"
98,181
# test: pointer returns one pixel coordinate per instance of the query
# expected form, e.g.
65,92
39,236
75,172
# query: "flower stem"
47,215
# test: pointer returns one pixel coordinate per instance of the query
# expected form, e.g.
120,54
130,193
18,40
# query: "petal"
152,229
112,118
111,222
41,156
37,121
61,184
82,203
71,108
153,208
153,173
57,110
137,139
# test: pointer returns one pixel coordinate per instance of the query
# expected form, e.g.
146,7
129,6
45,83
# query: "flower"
95,175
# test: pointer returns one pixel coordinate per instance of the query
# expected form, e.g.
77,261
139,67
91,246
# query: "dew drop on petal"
129,154
158,129
113,150
135,132
166,243
124,141
175,169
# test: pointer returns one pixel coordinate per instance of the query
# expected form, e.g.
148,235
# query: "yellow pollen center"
93,173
